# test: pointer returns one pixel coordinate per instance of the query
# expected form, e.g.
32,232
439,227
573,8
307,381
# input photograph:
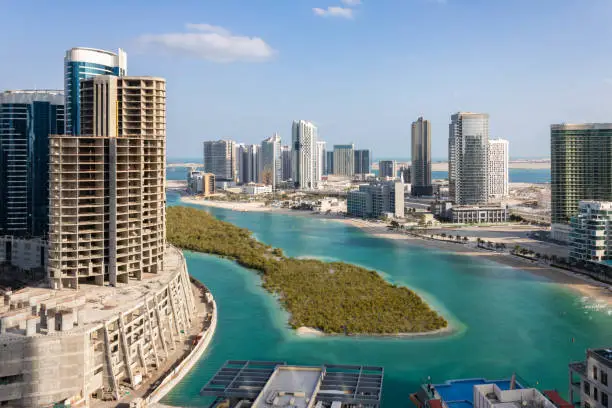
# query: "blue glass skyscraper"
83,63
27,118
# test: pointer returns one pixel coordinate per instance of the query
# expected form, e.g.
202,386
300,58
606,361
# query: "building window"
595,393
604,378
594,372
587,388
604,399
587,405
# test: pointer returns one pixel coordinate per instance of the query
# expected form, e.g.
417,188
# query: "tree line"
334,297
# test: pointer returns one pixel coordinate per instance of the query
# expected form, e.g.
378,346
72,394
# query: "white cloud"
334,11
208,42
351,3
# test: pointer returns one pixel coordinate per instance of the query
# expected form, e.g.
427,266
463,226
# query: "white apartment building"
491,396
321,155
591,232
220,159
590,380
304,137
468,143
498,169
271,161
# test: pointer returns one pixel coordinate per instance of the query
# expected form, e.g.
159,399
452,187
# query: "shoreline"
312,332
583,285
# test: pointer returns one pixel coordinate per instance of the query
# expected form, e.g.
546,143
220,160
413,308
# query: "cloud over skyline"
334,11
209,42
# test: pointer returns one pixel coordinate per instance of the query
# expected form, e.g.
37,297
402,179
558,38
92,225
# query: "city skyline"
247,96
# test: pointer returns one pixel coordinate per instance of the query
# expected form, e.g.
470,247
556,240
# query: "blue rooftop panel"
460,393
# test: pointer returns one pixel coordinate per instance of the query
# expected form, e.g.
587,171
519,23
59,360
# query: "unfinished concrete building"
98,342
107,186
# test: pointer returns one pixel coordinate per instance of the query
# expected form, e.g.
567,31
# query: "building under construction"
107,186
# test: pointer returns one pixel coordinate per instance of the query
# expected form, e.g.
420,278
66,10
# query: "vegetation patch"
336,297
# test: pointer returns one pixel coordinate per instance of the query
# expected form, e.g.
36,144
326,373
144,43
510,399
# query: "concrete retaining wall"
173,378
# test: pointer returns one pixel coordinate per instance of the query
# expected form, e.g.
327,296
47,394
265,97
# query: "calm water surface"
507,320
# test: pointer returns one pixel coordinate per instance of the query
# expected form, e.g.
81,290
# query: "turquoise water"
514,175
508,320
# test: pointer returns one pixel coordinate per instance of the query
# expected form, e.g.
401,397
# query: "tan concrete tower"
107,186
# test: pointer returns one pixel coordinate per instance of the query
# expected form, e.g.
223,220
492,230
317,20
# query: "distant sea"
516,175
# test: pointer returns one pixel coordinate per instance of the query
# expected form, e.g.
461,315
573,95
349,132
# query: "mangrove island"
333,297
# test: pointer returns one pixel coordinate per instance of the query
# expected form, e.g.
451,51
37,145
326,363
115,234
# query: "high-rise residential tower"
27,118
83,63
321,159
498,169
387,168
362,162
249,159
329,162
107,187
271,161
286,163
468,143
305,155
344,160
581,169
421,158
220,159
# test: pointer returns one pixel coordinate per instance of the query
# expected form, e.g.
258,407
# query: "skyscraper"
321,159
329,162
249,157
362,162
271,161
421,158
468,143
305,154
498,169
82,63
27,118
220,159
107,188
581,169
286,162
387,168
344,160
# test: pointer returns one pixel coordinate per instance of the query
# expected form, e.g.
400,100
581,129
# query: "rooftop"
274,383
94,303
604,353
460,393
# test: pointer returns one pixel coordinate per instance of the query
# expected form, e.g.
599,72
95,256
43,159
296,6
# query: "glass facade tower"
83,63
468,144
581,167
27,118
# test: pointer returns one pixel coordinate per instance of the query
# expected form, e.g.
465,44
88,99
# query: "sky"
361,70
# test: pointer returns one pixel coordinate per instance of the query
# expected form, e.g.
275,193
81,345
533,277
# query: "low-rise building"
200,182
256,189
275,384
590,381
473,214
591,232
376,199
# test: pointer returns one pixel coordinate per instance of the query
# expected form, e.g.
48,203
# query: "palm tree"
465,239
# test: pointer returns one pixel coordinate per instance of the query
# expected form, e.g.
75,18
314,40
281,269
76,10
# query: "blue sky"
361,70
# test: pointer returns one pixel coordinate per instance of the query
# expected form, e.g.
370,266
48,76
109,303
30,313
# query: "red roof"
556,399
434,403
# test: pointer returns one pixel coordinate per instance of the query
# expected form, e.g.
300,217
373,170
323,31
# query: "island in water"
331,297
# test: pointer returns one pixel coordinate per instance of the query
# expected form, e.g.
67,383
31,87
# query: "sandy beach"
311,332
596,291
